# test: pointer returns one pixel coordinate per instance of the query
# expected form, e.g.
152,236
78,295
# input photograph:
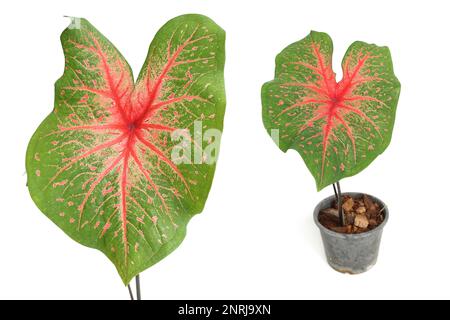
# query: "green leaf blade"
338,128
100,166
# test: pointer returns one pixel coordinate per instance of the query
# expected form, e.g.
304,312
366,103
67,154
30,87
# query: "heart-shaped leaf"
103,165
338,128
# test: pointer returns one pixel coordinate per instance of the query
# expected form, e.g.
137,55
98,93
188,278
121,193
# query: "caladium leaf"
100,166
338,128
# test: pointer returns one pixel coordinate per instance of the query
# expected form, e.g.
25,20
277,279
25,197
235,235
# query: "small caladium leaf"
106,165
338,128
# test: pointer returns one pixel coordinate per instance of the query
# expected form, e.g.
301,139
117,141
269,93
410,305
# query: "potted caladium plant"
122,165
339,128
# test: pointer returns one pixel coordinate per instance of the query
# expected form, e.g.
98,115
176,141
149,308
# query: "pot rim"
351,236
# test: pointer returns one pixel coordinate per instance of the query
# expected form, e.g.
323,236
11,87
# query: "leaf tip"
75,22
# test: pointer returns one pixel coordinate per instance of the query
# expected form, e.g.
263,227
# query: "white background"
256,237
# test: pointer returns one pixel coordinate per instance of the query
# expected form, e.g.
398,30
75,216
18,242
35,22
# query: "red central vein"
160,80
93,128
159,127
161,156
149,179
94,150
111,84
123,191
330,83
326,133
348,81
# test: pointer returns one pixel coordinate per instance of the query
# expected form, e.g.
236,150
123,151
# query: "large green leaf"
101,164
338,128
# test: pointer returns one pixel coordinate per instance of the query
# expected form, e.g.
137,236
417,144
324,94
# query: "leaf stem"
339,202
131,293
335,192
138,287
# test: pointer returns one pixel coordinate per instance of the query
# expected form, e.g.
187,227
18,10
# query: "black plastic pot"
351,253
